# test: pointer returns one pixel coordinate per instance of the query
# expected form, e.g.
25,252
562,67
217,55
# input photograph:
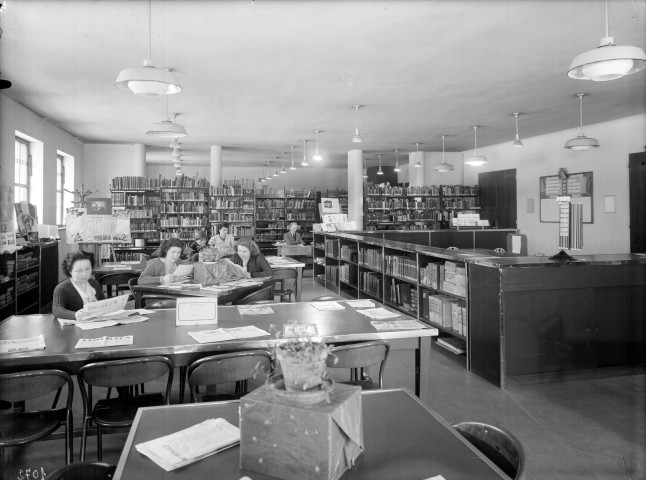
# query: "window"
60,189
22,170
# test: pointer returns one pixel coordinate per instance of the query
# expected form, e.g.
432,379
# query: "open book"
191,444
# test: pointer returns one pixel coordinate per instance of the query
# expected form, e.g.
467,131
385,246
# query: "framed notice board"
576,185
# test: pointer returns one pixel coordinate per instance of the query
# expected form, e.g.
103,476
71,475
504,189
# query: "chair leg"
182,383
68,440
83,440
99,443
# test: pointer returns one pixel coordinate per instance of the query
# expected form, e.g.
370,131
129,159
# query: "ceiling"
258,76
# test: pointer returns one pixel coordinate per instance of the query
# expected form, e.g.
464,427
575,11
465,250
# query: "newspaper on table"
191,444
325,306
224,334
398,325
360,303
378,313
22,344
255,310
300,330
102,309
101,342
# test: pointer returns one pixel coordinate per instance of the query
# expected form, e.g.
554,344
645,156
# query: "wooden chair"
281,276
497,444
120,412
22,426
357,356
120,280
265,293
84,471
235,367
326,298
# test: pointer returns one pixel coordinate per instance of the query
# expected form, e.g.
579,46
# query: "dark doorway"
498,198
637,200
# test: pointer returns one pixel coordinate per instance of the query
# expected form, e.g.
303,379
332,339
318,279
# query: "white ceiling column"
139,161
355,187
416,174
216,165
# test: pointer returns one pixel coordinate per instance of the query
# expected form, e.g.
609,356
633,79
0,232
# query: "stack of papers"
104,342
398,325
22,344
378,313
224,334
325,306
255,310
191,444
360,303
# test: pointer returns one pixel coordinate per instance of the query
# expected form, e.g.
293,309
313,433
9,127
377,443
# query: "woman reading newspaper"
164,270
80,288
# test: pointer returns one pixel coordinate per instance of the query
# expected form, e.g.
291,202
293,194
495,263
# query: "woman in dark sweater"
248,256
80,288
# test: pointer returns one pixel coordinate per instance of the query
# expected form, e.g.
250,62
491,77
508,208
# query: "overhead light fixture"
476,160
268,177
380,171
608,61
517,142
283,171
304,162
317,156
581,142
167,128
262,179
443,167
293,167
276,166
357,137
365,169
176,152
397,169
174,143
418,164
148,81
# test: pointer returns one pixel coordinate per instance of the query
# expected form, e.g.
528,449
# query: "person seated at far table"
196,246
80,287
223,241
293,236
160,270
248,256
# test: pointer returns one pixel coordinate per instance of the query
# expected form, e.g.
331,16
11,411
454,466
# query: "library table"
277,263
160,336
402,439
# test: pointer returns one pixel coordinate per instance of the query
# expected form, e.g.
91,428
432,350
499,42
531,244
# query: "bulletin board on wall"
578,186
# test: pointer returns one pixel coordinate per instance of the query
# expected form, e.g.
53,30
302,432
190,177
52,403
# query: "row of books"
445,311
270,215
306,216
196,196
144,224
371,258
146,234
349,252
371,282
448,276
26,260
145,213
403,204
348,273
332,247
184,182
402,294
230,203
270,203
184,207
186,235
410,191
123,199
308,204
237,186
461,202
184,221
135,183
402,267
460,190
217,216
332,274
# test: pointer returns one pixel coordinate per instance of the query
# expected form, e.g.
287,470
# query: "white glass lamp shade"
317,156
292,167
356,138
517,143
397,169
581,142
148,81
443,168
476,161
607,62
380,171
166,129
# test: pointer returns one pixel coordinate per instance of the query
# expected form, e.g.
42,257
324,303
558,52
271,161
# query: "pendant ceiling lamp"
176,152
262,179
148,81
418,164
174,143
167,129
293,167
443,167
476,160
317,156
517,142
397,169
268,176
304,162
380,171
365,169
608,61
276,174
283,171
581,142
356,138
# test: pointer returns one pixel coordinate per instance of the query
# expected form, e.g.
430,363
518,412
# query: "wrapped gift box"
301,442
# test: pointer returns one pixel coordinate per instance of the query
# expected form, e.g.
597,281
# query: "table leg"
299,283
423,369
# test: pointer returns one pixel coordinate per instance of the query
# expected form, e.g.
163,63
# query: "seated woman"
197,245
248,256
80,288
224,242
160,270
293,237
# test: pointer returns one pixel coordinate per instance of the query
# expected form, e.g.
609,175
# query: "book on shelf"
453,344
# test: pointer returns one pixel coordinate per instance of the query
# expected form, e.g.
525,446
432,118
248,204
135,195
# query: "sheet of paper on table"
111,323
101,342
116,266
325,306
299,330
278,260
360,303
191,444
224,334
436,477
398,325
183,270
255,310
22,344
378,313
131,262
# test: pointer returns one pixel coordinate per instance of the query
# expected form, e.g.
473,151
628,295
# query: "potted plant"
303,363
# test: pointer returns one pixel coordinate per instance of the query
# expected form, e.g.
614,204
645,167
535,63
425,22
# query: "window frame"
26,186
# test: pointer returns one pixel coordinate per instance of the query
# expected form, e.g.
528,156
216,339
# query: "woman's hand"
166,279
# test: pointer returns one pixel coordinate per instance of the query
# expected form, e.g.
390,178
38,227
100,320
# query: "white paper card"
378,313
299,330
224,334
101,342
325,306
183,270
191,444
196,311
255,310
360,303
22,344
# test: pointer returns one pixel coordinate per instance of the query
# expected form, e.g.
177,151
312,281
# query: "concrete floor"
585,429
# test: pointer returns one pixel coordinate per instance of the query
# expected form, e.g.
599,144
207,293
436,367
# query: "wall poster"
576,185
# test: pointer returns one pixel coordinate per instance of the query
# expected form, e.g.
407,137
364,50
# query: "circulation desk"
402,440
160,336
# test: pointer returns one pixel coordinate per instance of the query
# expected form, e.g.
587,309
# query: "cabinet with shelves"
233,203
303,211
318,253
183,212
7,284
